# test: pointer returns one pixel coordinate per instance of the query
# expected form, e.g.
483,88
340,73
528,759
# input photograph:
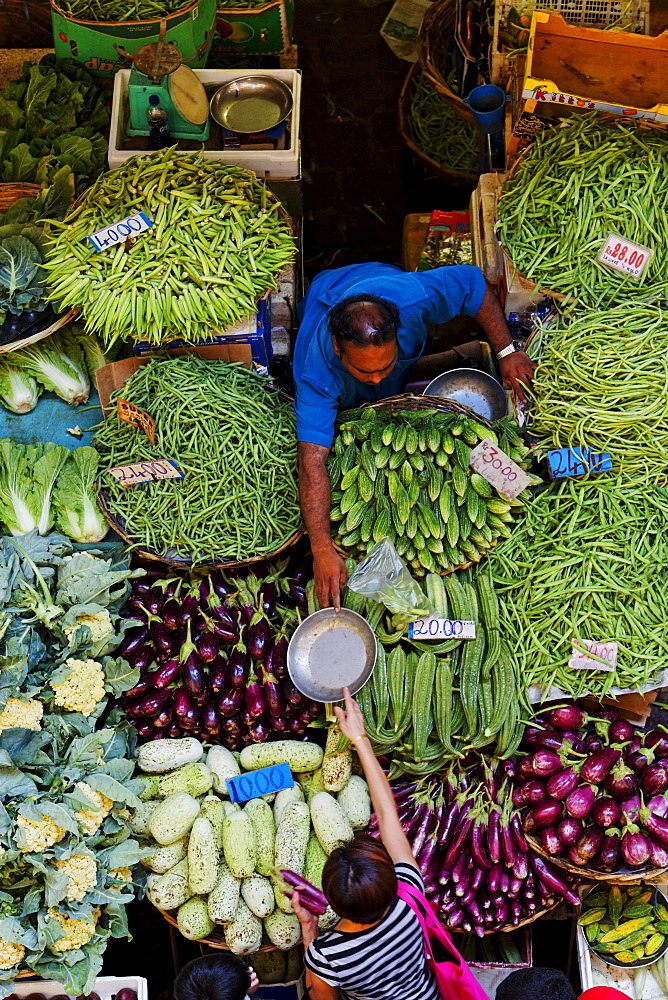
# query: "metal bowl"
271,104
329,651
473,388
659,897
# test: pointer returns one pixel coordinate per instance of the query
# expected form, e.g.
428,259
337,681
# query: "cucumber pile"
406,476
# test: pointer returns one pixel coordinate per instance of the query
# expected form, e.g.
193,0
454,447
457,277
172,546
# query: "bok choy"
19,391
58,364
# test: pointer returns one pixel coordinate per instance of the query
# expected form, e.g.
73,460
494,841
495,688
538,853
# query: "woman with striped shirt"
376,950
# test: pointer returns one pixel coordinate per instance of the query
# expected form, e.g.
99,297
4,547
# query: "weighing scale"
158,69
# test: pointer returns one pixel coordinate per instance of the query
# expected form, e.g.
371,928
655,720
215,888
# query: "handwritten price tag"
254,784
146,472
111,235
577,462
499,470
440,628
590,655
131,414
623,255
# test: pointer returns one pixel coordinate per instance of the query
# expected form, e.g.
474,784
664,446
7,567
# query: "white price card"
623,255
146,472
499,470
440,628
111,235
590,655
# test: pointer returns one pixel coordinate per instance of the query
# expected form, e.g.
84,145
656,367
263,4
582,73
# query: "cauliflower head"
39,835
90,820
81,872
100,626
83,688
10,954
123,874
78,932
19,714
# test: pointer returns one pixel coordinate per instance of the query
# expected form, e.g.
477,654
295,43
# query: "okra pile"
428,703
575,185
216,244
625,924
407,476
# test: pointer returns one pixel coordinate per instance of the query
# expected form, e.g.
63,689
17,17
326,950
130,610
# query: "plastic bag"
383,576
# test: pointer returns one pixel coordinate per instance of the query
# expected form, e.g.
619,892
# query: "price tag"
254,784
577,462
440,628
623,255
111,235
590,655
131,414
499,470
146,472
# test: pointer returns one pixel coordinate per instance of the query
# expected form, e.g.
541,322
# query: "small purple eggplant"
546,763
207,647
607,858
654,779
580,801
260,637
621,782
182,701
549,840
166,674
218,674
620,731
570,830
636,848
567,717
154,702
238,667
561,784
229,702
132,641
597,767
210,718
605,812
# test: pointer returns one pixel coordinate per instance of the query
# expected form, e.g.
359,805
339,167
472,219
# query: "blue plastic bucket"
488,106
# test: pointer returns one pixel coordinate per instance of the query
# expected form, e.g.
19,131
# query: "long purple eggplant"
259,637
133,639
280,657
154,702
230,701
552,881
238,667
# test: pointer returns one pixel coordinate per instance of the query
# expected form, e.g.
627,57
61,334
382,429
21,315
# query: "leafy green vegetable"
22,277
17,506
95,355
45,469
77,512
19,391
58,364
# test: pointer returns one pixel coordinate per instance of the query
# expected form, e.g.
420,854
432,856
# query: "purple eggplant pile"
593,792
469,845
212,652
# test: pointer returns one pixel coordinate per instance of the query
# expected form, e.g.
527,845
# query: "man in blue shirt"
361,338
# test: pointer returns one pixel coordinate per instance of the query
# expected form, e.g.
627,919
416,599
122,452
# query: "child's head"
535,984
219,976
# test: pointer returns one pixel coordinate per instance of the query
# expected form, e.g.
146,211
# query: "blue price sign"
120,231
577,462
254,784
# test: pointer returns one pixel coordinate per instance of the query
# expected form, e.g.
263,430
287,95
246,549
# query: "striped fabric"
385,962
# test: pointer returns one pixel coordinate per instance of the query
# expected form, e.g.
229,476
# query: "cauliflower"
10,954
77,932
40,835
84,687
19,714
90,820
123,874
81,874
100,626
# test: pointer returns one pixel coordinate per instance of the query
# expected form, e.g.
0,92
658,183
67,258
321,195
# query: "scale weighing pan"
251,104
473,388
330,651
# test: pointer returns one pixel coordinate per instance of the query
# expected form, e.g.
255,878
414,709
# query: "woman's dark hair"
344,320
213,977
359,880
532,984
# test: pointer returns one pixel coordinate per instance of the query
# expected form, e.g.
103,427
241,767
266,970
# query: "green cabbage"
19,391
77,512
58,364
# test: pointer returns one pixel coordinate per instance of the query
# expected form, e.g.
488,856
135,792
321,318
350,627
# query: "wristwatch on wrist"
510,349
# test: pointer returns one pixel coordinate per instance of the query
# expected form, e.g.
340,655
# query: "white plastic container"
106,987
272,164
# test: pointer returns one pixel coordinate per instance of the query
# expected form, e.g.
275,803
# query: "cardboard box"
113,376
594,70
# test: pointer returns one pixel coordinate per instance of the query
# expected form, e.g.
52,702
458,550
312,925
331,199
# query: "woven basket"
435,42
512,927
217,936
612,878
9,193
405,401
450,176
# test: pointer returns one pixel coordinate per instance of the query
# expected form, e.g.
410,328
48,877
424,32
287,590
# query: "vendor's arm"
516,369
329,569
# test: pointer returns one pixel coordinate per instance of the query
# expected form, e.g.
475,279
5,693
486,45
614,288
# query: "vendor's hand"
330,573
517,370
351,720
308,920
254,981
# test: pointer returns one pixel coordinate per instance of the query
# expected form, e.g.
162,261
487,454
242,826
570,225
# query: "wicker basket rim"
406,401
513,927
613,878
76,20
213,942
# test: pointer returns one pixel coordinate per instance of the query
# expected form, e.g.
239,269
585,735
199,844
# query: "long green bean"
121,10
439,132
215,247
601,383
587,562
235,442
574,186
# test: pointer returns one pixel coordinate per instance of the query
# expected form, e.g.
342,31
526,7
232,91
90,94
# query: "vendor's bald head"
364,335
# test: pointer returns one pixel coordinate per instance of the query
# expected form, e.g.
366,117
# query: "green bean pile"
120,10
439,132
215,247
572,187
601,383
587,562
234,440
